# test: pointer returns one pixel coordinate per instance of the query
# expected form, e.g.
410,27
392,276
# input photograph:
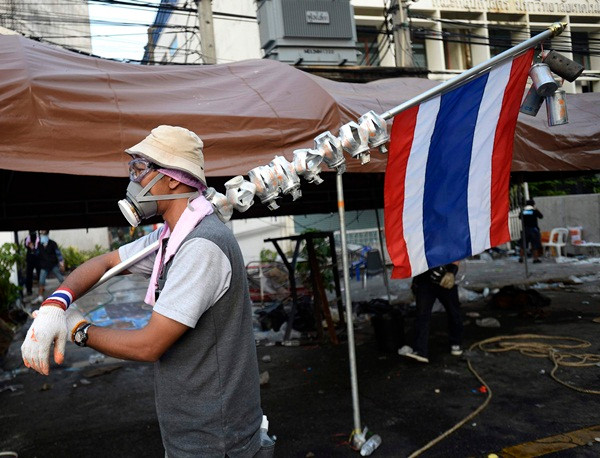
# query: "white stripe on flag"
414,185
480,171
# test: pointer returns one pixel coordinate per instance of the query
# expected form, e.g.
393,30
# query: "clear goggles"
139,168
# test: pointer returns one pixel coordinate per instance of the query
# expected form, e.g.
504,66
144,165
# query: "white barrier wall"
83,239
571,211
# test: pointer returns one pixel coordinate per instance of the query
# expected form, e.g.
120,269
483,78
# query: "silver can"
542,79
556,108
532,103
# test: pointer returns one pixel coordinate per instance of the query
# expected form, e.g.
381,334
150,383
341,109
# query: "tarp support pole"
523,235
348,300
382,254
552,31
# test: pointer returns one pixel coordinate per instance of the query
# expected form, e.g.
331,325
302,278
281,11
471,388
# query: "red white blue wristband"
62,297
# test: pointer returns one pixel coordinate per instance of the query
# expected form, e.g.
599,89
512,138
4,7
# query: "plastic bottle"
370,446
265,440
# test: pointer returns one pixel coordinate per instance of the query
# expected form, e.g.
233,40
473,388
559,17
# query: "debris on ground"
11,388
467,295
516,298
488,323
291,343
96,358
96,372
9,375
264,378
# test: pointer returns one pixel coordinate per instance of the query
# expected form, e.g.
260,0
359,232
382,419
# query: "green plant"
579,185
74,257
123,235
267,255
10,254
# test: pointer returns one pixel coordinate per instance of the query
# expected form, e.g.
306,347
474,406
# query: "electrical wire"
26,14
527,344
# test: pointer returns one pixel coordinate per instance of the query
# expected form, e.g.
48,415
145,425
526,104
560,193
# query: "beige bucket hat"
173,147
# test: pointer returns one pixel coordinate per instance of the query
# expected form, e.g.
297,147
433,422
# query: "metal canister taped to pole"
556,108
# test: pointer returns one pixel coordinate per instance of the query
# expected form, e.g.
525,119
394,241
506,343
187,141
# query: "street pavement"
96,406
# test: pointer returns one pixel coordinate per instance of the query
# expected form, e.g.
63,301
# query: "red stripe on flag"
401,141
503,148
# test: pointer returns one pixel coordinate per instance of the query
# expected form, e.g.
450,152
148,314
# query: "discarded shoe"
410,353
455,350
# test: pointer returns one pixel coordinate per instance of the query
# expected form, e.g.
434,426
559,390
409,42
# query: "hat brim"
158,156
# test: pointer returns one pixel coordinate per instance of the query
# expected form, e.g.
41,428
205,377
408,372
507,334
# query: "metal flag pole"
126,264
552,31
348,300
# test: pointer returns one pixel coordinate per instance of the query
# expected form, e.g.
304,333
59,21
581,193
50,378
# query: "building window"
417,38
367,40
587,86
581,48
500,41
457,49
173,47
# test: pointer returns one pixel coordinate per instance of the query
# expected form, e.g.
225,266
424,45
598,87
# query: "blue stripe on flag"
445,216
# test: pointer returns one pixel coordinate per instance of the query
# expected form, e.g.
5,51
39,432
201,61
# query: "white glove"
74,320
447,280
49,327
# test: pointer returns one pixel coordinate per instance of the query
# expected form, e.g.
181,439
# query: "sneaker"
410,353
520,259
455,350
38,300
537,261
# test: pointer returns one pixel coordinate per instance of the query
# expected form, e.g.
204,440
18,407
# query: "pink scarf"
189,219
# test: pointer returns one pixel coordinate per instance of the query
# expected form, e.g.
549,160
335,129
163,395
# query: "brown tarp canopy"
73,115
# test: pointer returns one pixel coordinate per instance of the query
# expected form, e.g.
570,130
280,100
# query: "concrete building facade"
450,36
444,36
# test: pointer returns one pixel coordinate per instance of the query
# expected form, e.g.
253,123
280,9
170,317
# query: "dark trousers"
426,294
31,266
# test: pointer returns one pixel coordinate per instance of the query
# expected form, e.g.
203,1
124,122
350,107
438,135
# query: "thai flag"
447,177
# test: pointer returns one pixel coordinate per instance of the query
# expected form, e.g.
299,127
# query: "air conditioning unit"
308,32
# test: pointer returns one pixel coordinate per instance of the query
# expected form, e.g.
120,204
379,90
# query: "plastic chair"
373,265
558,240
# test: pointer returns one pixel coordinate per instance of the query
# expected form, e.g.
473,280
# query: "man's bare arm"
84,277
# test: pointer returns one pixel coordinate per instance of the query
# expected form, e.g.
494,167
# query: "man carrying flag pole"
447,178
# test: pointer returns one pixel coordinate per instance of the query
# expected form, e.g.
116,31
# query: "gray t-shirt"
198,261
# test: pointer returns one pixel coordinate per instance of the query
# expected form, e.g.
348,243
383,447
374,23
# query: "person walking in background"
51,260
32,260
437,283
529,216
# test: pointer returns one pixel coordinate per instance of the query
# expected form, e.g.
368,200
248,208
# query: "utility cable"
527,345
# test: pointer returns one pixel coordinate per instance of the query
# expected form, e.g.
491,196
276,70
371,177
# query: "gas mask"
139,204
